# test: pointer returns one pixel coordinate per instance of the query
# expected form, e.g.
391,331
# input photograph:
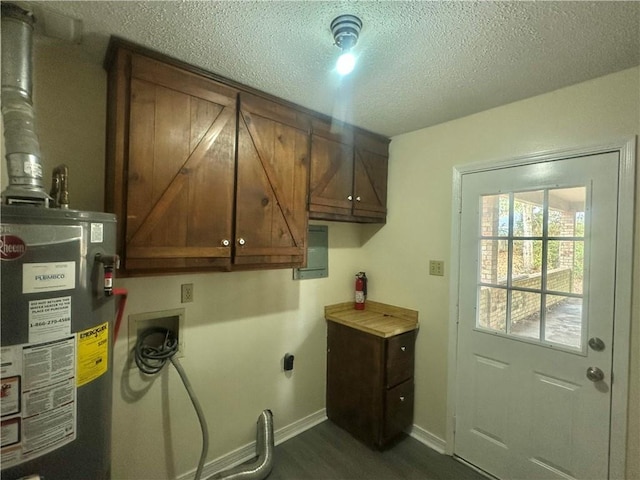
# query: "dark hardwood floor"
326,452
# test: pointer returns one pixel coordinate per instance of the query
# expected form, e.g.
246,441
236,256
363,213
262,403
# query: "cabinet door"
271,184
179,202
331,175
355,391
348,178
370,177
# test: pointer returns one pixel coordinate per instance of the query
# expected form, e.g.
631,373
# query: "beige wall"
241,324
419,221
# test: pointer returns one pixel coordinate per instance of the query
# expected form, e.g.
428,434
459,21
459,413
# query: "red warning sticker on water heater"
11,247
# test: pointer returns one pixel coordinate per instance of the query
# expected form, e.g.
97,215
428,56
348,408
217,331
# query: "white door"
536,309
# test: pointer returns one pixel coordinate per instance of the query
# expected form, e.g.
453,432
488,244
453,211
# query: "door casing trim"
626,148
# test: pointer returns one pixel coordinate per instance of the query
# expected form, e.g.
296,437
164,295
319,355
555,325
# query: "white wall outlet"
436,267
187,293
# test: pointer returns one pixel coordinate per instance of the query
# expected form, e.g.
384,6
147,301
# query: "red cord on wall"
122,292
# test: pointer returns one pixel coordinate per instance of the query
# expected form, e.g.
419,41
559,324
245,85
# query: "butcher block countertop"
377,318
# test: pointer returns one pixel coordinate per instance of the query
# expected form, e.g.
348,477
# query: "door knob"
225,243
596,344
241,241
358,199
595,374
350,197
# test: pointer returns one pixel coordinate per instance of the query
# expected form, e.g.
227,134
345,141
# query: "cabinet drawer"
399,409
400,358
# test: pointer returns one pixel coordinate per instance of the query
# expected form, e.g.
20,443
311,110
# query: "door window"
531,268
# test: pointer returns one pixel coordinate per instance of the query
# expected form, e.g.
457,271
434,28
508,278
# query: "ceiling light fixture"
345,30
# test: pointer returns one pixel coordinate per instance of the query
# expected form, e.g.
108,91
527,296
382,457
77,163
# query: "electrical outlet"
288,362
436,267
187,293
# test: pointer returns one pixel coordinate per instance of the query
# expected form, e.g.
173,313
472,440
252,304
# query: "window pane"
494,257
565,265
495,216
527,264
527,214
492,308
563,323
525,314
566,212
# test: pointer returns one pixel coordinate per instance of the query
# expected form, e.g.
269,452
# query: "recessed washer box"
170,319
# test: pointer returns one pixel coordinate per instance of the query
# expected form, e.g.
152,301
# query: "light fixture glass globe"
345,63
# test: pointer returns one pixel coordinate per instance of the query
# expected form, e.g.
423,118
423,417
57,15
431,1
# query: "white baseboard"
247,452
429,439
296,428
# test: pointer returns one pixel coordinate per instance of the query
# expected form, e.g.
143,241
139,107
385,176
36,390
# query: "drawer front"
398,409
400,358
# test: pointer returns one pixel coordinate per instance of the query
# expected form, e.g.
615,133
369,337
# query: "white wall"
419,221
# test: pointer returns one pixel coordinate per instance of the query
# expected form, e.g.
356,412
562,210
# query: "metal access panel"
317,254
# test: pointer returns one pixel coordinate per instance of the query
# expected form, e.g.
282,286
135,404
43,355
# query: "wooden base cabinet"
370,383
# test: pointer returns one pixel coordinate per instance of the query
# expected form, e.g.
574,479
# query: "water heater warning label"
39,406
49,318
97,233
93,353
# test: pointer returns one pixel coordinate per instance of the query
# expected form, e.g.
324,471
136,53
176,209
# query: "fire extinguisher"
361,290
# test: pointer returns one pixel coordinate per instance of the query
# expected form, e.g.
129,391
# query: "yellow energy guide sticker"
93,353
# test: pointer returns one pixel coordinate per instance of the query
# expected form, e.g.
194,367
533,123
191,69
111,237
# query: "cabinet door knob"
225,243
403,348
402,399
350,197
358,199
241,241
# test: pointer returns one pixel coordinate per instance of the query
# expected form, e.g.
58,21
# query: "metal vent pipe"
24,166
260,468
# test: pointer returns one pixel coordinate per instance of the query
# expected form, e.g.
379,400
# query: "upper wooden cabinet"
198,183
271,188
370,168
348,174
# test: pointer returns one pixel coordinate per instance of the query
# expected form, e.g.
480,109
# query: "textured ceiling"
419,63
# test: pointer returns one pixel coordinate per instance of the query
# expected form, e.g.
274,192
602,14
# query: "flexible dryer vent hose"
260,468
